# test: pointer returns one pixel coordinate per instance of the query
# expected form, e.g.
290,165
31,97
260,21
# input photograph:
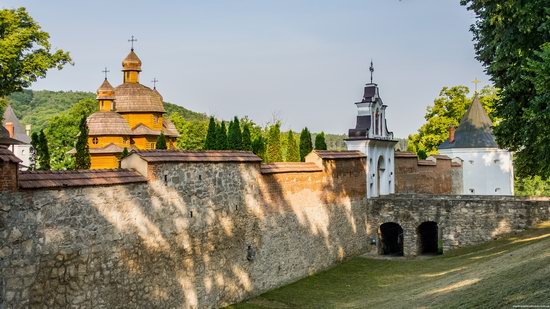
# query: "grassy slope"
511,271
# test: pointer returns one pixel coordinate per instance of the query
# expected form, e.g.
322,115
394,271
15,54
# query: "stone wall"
462,220
196,235
8,176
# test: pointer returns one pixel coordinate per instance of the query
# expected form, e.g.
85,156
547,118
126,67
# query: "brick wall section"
432,176
8,176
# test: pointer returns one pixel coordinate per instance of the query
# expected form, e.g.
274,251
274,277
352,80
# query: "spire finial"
475,82
155,81
371,69
105,71
132,40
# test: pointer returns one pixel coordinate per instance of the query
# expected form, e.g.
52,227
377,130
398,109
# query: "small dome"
105,91
131,62
134,97
107,123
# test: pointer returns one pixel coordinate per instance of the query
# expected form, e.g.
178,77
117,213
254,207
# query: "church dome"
105,91
134,97
131,62
107,123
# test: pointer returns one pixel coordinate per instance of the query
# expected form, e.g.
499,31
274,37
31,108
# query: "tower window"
156,119
95,140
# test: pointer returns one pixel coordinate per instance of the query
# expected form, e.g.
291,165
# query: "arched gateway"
428,239
390,236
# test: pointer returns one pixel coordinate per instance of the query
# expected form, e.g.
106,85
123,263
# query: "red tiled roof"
289,167
57,179
334,155
7,156
153,156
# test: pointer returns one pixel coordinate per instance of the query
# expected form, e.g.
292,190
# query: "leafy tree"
259,148
292,150
274,153
247,143
193,133
221,137
320,143
306,145
25,51
82,157
511,41
448,109
210,143
532,186
44,152
161,142
235,139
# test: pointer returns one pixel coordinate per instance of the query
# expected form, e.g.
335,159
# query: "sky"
303,62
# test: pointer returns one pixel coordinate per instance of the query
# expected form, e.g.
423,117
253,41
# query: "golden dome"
131,62
107,123
134,97
105,91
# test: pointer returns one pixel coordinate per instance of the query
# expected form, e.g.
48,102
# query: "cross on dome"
132,40
105,71
371,69
155,81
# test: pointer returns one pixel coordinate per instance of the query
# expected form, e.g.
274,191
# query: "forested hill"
39,107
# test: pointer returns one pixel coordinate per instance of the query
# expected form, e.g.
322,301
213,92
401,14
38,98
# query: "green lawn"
514,270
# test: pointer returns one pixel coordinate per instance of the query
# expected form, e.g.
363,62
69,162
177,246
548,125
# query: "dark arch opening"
427,238
391,239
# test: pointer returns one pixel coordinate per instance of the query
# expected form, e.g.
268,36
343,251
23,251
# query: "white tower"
371,137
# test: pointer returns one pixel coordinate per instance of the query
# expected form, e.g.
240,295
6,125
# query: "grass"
513,270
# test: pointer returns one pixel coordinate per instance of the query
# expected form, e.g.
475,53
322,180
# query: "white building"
487,170
371,137
22,149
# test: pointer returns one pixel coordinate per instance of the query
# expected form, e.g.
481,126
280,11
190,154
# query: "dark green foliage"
320,143
259,148
82,157
221,137
35,143
25,51
235,139
247,143
161,142
511,41
532,186
210,142
193,133
274,153
124,153
306,146
43,152
292,149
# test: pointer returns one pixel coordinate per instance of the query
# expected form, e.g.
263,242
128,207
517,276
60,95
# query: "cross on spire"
105,71
475,82
371,69
155,81
132,40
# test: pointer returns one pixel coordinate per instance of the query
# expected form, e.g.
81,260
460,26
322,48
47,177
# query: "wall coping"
290,167
408,196
78,178
166,156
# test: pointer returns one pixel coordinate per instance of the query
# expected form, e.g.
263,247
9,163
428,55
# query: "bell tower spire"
106,95
131,65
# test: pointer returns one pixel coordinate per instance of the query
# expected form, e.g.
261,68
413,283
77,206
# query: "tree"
124,153
235,138
274,153
511,41
247,143
44,152
25,51
193,132
292,150
221,137
305,144
82,157
447,110
258,147
161,142
320,143
210,142
35,143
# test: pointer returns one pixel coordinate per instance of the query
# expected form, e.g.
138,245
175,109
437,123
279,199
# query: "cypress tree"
292,151
235,138
305,144
320,143
44,152
82,158
247,143
274,153
124,153
258,147
210,141
35,143
230,141
161,142
221,137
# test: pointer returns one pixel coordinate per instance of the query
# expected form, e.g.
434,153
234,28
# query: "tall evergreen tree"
35,143
161,142
221,137
82,157
320,143
247,143
274,153
235,139
210,142
306,145
292,151
258,147
44,152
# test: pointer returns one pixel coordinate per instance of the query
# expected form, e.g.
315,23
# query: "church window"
497,189
156,119
102,104
95,140
125,140
376,121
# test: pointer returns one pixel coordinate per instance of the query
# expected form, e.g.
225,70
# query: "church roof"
107,123
131,62
7,156
474,131
18,129
105,91
134,97
169,128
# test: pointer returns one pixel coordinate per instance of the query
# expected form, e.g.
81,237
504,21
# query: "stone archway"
428,240
390,239
380,169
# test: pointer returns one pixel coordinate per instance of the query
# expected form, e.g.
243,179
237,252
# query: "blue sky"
302,62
